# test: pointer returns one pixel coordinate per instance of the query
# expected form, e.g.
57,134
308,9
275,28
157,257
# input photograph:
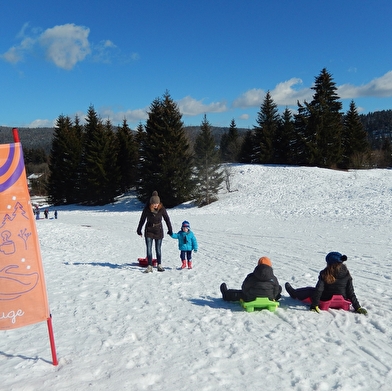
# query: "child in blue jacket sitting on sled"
186,244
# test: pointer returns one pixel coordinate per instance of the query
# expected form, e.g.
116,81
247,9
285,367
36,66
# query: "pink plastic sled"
144,262
337,302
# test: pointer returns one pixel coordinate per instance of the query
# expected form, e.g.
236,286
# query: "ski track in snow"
118,328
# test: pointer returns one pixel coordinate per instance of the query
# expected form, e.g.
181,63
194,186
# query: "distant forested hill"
29,137
378,125
42,137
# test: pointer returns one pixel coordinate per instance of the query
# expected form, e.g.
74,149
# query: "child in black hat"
335,279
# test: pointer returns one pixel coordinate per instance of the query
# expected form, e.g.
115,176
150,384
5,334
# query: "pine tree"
111,175
78,132
268,121
64,162
207,163
127,155
247,148
386,151
97,157
230,144
302,142
324,126
34,156
140,136
140,139
354,138
223,147
165,162
284,139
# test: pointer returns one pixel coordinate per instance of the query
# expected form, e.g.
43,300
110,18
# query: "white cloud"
116,118
250,98
42,123
16,53
244,117
13,55
66,45
380,87
21,33
360,109
108,44
283,95
191,106
103,51
187,106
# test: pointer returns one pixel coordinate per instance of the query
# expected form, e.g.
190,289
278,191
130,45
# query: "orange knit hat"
265,261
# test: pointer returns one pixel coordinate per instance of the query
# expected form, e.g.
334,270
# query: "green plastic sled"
260,303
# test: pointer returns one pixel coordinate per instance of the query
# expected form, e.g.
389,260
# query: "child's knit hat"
185,224
335,257
265,261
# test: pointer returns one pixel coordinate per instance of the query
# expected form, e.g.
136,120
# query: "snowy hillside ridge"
117,328
305,191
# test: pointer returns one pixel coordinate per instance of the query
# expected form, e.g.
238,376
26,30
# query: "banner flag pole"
51,338
23,296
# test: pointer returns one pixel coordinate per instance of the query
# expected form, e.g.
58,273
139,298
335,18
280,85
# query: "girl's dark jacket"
153,219
343,285
261,283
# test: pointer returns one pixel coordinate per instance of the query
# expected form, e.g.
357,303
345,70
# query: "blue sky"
215,57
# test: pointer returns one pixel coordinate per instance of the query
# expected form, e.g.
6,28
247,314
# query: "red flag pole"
16,135
51,338
49,320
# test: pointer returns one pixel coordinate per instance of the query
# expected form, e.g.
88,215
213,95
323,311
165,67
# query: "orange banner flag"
23,297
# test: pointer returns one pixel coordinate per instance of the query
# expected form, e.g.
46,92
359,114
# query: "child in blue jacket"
186,244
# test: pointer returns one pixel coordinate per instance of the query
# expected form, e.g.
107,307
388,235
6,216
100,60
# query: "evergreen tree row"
319,134
90,164
93,163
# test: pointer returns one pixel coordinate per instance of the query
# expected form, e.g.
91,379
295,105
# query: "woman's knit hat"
265,261
155,198
335,257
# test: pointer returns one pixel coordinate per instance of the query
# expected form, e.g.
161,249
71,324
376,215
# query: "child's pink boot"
189,264
183,266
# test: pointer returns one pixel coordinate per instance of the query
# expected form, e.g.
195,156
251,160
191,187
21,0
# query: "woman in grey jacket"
152,215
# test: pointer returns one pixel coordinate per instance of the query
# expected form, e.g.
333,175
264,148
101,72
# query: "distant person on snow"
186,244
335,279
261,283
152,214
